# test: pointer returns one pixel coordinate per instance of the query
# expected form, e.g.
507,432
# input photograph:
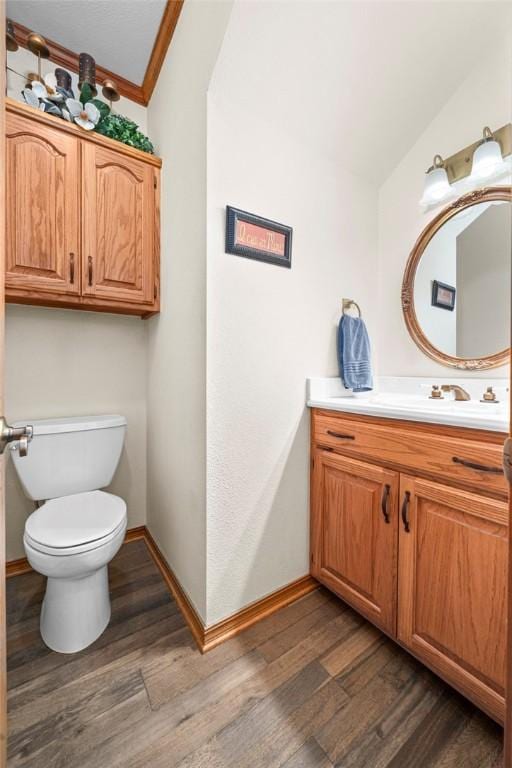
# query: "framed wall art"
257,238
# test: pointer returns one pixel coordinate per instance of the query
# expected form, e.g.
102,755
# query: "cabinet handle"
90,269
405,510
384,503
478,467
340,435
71,268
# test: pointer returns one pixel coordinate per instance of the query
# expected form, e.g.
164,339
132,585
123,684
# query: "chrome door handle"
8,434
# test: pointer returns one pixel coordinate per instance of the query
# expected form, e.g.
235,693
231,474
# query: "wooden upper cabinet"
42,195
453,587
118,223
82,218
355,534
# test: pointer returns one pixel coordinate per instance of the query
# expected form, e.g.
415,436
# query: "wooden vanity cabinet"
452,587
82,218
354,535
434,577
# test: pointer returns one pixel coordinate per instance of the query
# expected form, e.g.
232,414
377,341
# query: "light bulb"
487,158
437,186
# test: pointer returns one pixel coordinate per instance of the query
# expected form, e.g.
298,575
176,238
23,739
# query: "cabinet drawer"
466,461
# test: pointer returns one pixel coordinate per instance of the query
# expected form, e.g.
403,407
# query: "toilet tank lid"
73,423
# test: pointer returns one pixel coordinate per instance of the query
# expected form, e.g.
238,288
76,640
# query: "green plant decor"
122,129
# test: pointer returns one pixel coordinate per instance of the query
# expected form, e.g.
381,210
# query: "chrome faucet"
460,394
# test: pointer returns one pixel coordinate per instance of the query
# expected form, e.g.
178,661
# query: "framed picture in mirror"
443,295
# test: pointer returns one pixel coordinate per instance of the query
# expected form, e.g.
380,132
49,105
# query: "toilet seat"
79,523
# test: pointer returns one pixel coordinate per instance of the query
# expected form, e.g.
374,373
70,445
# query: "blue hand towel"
354,354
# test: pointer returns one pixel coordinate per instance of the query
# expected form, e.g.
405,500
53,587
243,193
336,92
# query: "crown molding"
141,94
163,40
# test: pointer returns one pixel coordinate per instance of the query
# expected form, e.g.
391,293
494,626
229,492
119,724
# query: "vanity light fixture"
487,157
478,162
437,186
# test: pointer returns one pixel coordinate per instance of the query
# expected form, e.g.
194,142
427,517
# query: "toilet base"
75,612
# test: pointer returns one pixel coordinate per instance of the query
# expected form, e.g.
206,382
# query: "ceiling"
119,34
361,79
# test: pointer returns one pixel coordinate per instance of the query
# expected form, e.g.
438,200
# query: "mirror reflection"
462,283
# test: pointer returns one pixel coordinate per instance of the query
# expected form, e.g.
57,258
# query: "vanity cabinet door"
354,532
452,587
118,227
42,203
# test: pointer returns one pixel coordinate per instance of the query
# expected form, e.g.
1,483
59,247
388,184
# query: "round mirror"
456,290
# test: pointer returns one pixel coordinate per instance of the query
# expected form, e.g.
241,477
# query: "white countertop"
408,398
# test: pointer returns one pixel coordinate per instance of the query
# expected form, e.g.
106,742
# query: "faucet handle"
489,396
436,393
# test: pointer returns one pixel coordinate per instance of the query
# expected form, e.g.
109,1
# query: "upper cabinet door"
42,197
354,534
453,586
118,215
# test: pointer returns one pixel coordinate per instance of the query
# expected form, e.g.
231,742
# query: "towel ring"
348,304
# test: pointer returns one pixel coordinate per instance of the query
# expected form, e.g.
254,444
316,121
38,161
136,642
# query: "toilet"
77,528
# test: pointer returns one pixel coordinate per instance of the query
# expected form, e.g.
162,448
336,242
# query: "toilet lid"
70,521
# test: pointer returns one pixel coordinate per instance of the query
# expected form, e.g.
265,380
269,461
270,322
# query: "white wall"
68,362
482,99
268,328
177,337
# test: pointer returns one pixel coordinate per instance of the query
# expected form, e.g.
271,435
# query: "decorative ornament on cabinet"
53,94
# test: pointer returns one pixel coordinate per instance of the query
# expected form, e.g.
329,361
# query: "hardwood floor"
312,686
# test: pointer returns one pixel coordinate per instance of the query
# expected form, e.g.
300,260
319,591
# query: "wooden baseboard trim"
187,609
227,628
133,534
205,637
17,567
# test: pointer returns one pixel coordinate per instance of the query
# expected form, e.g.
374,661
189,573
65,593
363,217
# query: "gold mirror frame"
411,321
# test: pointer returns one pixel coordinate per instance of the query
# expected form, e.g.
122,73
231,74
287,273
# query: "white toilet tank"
70,455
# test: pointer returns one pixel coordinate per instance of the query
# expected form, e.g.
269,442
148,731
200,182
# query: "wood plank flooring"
312,686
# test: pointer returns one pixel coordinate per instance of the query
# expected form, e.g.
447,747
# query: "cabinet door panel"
452,587
118,226
42,208
354,548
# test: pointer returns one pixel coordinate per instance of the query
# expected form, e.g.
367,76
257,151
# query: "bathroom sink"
442,405
391,401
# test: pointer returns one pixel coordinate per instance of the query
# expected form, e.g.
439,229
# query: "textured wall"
177,337
268,329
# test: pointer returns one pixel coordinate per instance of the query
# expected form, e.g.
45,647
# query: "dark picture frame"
257,238
443,295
